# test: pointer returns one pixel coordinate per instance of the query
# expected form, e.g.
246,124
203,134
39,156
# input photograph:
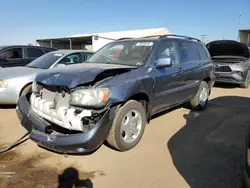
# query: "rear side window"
88,55
47,50
13,53
34,52
188,51
202,51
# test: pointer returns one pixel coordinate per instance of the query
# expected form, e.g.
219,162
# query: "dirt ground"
179,149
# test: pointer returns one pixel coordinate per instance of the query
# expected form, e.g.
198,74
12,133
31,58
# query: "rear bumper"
70,143
230,77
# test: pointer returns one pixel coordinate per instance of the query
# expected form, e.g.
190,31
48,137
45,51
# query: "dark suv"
13,56
114,94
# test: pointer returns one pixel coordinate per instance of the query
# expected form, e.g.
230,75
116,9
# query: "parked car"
17,81
12,56
232,62
112,97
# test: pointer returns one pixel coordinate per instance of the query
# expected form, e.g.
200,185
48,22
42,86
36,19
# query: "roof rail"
180,36
165,36
171,35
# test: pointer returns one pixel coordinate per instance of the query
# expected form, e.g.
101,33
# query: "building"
244,36
95,41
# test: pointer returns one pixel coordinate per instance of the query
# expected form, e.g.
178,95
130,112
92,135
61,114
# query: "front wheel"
128,126
27,89
199,102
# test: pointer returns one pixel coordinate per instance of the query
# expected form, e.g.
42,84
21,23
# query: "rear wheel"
247,81
128,126
26,89
199,102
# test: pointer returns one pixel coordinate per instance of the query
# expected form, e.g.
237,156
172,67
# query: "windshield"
133,53
45,61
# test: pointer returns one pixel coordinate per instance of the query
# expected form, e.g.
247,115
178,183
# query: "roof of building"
131,33
245,30
118,34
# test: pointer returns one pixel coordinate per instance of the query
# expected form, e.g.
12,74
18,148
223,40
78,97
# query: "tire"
118,138
197,103
26,89
247,81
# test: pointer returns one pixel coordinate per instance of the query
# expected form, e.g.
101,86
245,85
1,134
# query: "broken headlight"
89,97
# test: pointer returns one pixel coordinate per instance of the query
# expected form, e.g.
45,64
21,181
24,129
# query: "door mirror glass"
164,62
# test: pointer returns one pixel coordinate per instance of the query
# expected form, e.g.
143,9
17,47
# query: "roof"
69,51
21,46
245,30
120,34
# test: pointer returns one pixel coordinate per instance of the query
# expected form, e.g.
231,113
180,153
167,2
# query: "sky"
23,22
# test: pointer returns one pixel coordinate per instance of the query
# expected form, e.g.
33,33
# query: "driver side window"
168,50
71,59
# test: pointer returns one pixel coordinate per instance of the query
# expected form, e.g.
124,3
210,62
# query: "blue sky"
24,21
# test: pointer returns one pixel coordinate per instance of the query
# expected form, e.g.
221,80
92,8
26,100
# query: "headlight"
90,97
3,84
235,66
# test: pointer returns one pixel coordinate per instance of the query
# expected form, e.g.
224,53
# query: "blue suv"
113,95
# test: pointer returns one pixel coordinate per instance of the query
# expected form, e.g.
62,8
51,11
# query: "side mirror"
164,62
2,58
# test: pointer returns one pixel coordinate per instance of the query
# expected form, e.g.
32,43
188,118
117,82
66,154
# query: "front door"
167,80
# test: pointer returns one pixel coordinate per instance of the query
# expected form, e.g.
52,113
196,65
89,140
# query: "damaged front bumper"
62,143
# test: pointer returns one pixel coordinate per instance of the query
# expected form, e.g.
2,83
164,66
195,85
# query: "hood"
74,75
228,48
11,72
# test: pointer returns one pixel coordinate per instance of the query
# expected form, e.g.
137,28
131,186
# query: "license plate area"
58,99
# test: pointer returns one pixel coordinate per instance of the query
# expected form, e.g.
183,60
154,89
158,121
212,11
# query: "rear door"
167,80
12,57
190,64
32,53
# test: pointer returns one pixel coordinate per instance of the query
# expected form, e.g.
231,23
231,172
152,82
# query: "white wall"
245,37
97,44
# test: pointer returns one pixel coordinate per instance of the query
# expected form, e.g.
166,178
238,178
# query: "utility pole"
240,17
203,37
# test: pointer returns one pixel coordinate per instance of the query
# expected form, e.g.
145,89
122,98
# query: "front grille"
223,69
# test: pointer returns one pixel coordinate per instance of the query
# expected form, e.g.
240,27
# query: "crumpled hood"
228,48
74,75
11,72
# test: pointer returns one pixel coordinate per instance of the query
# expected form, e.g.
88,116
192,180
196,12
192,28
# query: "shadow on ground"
226,85
70,178
209,150
7,106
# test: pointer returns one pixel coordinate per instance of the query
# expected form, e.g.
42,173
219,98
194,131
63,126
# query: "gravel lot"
179,149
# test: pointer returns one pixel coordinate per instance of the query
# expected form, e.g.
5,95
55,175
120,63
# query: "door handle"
181,70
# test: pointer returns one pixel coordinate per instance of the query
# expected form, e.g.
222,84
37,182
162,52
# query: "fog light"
239,73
